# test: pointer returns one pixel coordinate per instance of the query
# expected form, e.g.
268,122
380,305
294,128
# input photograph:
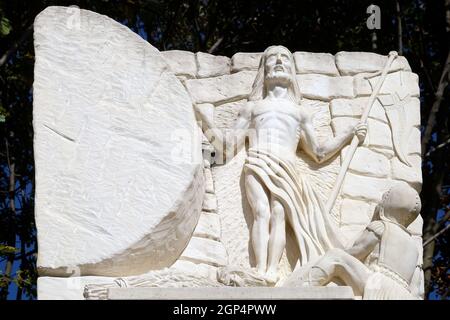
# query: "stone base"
230,293
55,288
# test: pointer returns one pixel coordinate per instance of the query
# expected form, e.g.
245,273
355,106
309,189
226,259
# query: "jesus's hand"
360,130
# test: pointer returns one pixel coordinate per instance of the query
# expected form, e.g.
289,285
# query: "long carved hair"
259,89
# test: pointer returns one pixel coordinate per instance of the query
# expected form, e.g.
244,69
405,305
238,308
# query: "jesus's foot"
271,277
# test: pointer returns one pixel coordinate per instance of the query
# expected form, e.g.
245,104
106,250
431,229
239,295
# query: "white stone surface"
234,212
323,176
386,151
278,113
221,89
322,87
412,175
212,66
350,63
124,104
364,188
202,250
113,196
369,163
209,182
351,231
356,212
379,133
60,288
200,269
208,226
416,160
245,61
402,83
225,115
414,147
210,203
227,293
413,107
182,63
311,62
361,86
72,288
354,108
371,171
416,227
393,254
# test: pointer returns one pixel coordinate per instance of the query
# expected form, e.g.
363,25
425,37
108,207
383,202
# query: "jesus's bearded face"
278,65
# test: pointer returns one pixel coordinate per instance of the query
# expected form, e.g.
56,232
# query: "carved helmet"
400,204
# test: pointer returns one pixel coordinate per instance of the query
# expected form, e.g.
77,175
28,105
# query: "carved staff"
354,144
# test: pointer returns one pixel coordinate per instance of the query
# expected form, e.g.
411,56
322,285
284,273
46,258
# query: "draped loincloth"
314,232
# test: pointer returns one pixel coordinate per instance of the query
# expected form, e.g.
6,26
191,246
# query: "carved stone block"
309,62
221,89
350,63
321,87
212,66
245,61
182,63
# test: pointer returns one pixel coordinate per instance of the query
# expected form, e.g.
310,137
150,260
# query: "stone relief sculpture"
372,266
277,124
179,169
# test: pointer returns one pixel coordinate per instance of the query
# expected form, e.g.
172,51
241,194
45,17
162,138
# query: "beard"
279,77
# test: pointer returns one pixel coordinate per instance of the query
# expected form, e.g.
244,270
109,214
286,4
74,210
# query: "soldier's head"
400,204
276,67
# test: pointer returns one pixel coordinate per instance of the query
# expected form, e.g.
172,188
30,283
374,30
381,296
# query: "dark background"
419,30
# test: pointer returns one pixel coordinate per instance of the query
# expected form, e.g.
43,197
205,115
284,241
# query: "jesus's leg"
258,199
277,239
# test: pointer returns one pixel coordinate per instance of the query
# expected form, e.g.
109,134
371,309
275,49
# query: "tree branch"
399,28
436,235
443,82
215,45
441,145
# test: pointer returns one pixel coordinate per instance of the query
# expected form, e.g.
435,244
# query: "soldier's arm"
321,152
367,241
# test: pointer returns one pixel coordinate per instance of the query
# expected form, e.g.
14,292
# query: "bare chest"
270,111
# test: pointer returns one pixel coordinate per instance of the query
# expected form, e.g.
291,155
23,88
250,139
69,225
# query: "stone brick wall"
336,89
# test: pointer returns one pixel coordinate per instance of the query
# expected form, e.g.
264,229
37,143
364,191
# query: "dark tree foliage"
225,27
